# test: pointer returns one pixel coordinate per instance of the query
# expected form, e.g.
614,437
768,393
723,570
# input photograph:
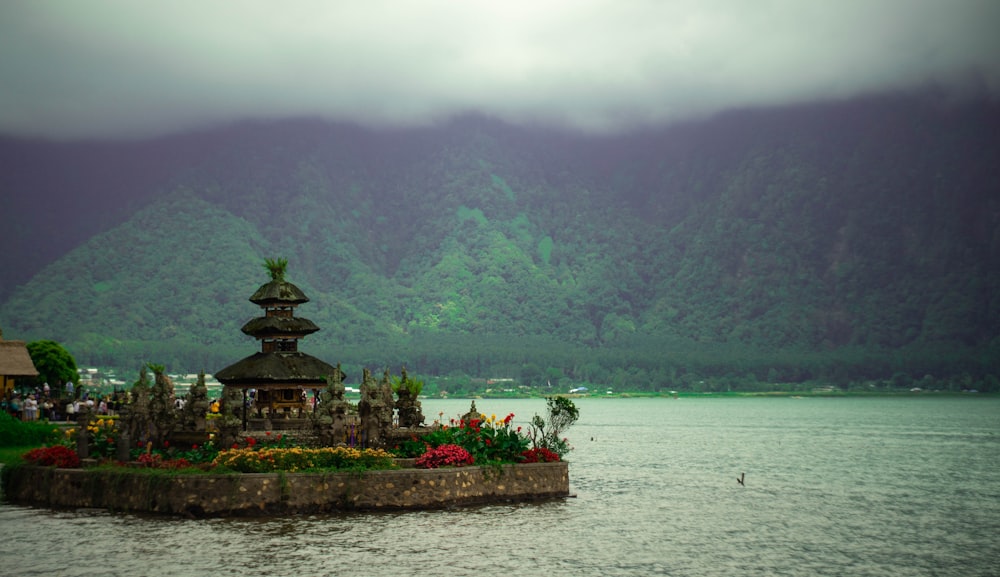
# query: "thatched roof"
276,368
279,291
279,326
15,360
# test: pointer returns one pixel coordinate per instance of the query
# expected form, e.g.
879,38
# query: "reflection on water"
833,487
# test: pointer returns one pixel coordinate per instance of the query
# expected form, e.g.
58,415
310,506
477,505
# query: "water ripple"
871,487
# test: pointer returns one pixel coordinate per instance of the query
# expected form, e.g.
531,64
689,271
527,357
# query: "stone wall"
282,493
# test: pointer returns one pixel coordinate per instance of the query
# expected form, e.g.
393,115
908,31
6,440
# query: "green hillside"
839,243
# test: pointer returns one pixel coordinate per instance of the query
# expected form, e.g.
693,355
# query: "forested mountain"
842,241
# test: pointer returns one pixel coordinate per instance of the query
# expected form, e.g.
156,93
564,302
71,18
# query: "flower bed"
481,440
57,456
267,460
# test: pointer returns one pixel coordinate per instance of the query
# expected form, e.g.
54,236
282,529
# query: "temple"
279,376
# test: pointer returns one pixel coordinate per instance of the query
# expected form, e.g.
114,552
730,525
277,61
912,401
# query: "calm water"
889,487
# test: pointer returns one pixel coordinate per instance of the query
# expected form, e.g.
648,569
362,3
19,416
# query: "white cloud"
119,68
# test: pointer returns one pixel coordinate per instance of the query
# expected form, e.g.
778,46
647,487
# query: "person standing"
30,408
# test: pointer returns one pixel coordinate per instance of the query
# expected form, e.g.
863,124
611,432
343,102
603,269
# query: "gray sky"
101,68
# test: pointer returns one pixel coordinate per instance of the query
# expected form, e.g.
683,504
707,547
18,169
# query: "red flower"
60,456
444,456
539,455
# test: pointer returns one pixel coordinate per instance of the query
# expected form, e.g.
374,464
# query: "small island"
284,440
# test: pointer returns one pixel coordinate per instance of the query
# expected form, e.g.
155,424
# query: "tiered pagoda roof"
274,326
277,370
279,291
279,364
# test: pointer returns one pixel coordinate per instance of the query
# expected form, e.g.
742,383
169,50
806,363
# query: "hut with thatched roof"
280,374
15,364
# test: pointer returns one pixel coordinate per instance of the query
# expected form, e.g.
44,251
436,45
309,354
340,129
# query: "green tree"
548,433
54,363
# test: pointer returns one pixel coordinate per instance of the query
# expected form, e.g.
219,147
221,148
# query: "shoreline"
731,394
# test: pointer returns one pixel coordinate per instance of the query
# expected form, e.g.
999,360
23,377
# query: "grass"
12,455
18,437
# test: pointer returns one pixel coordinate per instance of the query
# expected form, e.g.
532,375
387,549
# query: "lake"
832,486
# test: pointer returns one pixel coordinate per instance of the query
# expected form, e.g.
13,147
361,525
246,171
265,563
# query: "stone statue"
388,405
231,408
162,409
407,405
138,422
194,410
472,415
330,416
370,411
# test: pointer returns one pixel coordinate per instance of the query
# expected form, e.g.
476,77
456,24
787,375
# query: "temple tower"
280,373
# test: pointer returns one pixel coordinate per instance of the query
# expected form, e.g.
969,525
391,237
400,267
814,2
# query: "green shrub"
16,433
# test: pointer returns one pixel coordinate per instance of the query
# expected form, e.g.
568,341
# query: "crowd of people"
59,403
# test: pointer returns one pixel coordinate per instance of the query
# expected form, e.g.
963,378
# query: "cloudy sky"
124,69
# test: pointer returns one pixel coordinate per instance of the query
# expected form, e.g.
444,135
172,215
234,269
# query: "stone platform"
264,494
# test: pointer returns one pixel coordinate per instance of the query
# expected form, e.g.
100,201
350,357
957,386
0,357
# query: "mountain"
838,241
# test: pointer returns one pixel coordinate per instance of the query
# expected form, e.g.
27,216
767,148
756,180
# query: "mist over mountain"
838,241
